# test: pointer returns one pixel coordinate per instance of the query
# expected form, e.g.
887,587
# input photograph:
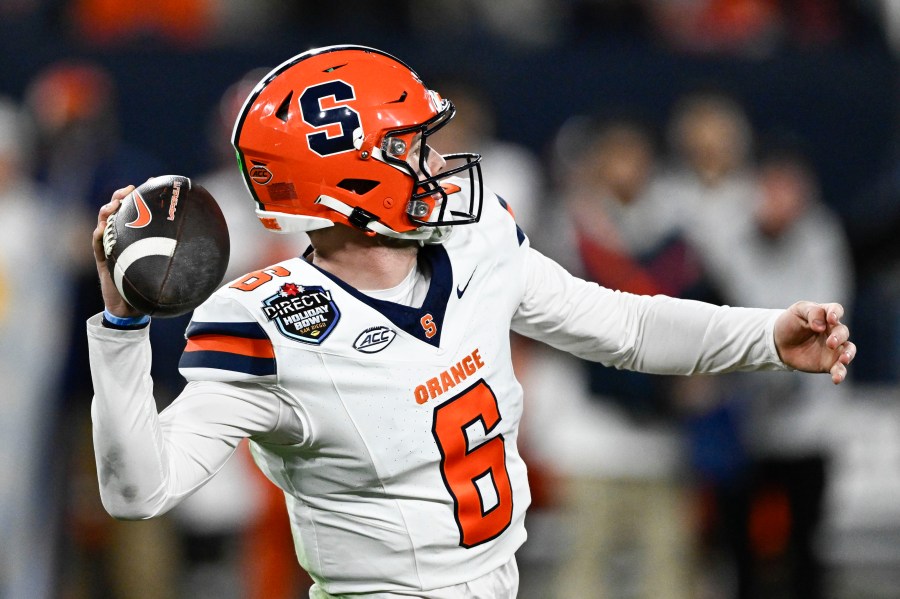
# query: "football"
167,246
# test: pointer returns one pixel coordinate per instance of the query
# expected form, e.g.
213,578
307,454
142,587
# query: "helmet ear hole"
358,186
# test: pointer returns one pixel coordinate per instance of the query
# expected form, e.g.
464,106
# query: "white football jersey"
391,429
408,474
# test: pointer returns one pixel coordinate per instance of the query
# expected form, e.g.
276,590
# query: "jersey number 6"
475,476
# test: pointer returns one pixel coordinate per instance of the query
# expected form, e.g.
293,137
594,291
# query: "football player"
372,374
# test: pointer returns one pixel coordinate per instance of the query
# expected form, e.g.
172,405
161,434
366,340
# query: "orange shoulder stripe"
255,348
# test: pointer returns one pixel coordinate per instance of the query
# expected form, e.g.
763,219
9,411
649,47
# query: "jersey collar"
434,258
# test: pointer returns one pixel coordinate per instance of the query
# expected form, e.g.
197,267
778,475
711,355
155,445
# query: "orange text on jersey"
449,378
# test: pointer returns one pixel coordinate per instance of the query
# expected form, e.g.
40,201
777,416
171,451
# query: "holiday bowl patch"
302,313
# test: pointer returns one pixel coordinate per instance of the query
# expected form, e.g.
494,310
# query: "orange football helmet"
331,136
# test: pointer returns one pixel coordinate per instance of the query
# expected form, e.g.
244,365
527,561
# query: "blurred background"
742,152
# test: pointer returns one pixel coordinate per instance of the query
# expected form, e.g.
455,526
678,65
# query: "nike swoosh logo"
144,216
461,290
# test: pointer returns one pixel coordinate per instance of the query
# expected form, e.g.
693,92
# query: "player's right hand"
113,300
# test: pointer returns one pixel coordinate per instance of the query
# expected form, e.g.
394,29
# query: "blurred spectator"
710,184
184,24
511,170
735,26
710,179
81,159
792,230
619,449
759,232
73,106
34,333
796,249
761,27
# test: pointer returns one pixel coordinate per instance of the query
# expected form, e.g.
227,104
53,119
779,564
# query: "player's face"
433,163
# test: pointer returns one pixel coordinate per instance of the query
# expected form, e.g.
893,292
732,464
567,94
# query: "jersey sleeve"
225,343
147,462
654,334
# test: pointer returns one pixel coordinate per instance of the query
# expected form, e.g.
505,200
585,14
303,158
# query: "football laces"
109,235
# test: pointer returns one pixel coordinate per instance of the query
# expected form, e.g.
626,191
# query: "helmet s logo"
260,174
338,123
143,217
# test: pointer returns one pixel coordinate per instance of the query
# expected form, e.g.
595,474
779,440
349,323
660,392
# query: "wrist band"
119,321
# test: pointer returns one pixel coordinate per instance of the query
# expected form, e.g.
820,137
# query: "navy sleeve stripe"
520,234
228,361
248,330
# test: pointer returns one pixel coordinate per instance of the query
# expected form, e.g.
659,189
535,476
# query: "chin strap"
365,220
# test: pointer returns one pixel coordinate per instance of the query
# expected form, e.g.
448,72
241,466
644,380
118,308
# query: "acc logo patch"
260,174
306,314
374,339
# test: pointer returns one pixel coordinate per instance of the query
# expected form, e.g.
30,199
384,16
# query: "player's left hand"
810,337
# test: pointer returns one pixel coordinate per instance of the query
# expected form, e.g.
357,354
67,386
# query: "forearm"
649,334
145,462
128,445
686,337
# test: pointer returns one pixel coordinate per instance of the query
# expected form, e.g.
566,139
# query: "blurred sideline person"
791,420
710,182
80,157
710,177
621,452
373,373
34,331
